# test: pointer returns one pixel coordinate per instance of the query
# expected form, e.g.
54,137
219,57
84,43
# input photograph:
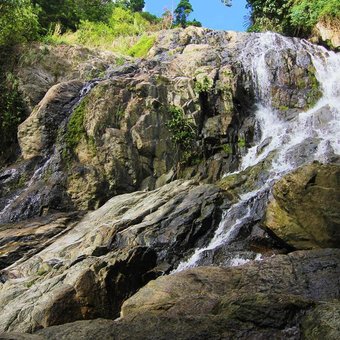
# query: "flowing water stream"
285,143
311,135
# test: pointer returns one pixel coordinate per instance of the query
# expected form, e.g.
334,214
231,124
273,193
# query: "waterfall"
33,201
282,139
28,201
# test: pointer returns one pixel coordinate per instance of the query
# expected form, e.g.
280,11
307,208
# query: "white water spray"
280,137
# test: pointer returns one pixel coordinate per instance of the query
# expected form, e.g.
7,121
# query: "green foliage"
241,142
153,19
132,5
75,127
18,22
203,84
194,23
292,17
68,13
118,34
305,14
227,148
118,116
142,47
314,94
182,12
12,112
182,129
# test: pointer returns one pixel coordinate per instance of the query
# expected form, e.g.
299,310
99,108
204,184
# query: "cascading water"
30,202
312,135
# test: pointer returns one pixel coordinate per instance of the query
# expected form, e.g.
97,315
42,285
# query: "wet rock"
322,117
102,260
119,136
304,211
302,153
241,293
293,81
263,145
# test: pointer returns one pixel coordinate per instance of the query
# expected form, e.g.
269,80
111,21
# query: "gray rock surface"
281,297
117,139
94,266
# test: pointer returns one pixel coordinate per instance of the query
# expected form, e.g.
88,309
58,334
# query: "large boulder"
305,208
281,297
327,31
18,241
38,132
94,265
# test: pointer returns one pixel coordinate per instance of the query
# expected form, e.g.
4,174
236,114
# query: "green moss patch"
75,127
142,47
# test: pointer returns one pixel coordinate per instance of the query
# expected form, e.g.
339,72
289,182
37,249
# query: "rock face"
38,133
23,239
43,66
112,135
328,31
305,209
281,297
93,267
130,174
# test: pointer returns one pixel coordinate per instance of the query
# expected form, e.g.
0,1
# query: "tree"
136,5
69,13
182,12
132,5
227,2
93,10
18,22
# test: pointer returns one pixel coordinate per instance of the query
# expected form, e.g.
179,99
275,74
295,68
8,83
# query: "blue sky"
213,15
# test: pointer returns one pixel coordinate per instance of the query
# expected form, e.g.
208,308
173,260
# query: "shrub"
181,128
12,113
119,34
142,47
292,17
305,14
18,22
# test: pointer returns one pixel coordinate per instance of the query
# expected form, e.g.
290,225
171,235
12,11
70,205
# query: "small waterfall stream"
31,202
313,135
41,169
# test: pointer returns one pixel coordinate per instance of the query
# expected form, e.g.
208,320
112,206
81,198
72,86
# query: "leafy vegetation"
227,148
12,107
142,47
203,84
75,127
292,17
18,22
181,128
181,14
241,142
183,134
119,33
